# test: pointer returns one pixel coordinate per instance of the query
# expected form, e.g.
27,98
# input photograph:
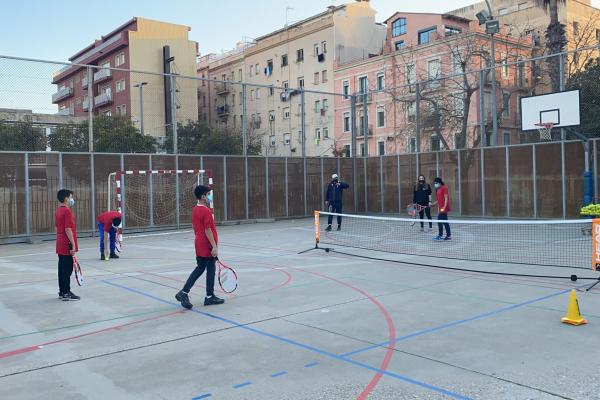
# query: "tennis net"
561,243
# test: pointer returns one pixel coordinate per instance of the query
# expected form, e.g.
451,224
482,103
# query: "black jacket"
335,192
421,194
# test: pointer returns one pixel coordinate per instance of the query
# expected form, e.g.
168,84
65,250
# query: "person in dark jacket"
333,200
422,197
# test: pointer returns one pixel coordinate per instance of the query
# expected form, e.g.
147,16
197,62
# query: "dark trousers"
426,211
65,269
204,263
441,225
335,208
112,236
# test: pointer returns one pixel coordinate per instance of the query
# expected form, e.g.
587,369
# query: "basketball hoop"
545,130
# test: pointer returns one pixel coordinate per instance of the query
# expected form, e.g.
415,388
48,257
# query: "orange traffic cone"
573,316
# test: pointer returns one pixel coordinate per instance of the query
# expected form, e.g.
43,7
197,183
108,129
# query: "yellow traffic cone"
573,316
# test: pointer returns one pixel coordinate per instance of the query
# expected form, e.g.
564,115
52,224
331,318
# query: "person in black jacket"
422,197
333,200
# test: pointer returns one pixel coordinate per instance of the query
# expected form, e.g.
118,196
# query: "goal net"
158,198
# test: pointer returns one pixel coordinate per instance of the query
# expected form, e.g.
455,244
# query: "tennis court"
300,326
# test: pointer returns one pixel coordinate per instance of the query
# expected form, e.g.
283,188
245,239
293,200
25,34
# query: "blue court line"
300,345
202,396
277,374
241,385
312,364
455,323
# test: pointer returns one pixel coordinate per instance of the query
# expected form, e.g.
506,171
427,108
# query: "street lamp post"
492,26
140,86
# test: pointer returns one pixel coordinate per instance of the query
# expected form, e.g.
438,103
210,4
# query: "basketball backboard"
559,108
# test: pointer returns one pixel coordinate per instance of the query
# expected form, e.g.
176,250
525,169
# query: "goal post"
149,198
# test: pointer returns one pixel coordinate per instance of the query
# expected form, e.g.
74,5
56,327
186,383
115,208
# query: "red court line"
111,328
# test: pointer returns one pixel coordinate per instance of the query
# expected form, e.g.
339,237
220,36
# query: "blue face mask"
209,198
71,201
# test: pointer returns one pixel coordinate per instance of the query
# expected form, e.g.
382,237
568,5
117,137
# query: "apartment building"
276,68
433,50
141,45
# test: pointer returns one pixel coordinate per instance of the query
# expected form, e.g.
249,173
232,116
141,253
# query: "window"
301,82
502,11
325,133
411,111
347,150
269,68
271,115
286,85
252,95
318,106
346,89
108,113
272,141
325,105
433,70
380,81
106,90
575,28
324,76
598,35
504,66
240,74
435,143
204,100
316,47
399,27
457,64
233,98
521,73
316,81
120,86
120,59
450,30
522,6
347,122
203,80
300,136
286,113
457,137
363,123
318,134
505,105
363,84
362,149
299,55
257,93
241,98
122,110
458,104
271,91
235,121
411,74
381,148
399,44
257,69
412,145
506,138
251,70
284,60
380,117
287,138
323,47
426,35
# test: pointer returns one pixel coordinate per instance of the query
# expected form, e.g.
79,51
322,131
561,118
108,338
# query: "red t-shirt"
440,193
63,219
106,218
202,219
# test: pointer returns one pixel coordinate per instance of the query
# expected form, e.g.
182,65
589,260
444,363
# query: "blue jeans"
112,236
442,225
335,208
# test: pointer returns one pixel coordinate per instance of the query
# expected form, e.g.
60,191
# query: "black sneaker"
447,238
113,255
70,296
213,300
184,299
339,228
328,228
102,257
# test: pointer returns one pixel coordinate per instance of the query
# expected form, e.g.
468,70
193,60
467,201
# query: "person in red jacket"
108,223
66,243
206,241
443,202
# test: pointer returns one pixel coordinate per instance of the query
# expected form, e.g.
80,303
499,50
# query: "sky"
55,30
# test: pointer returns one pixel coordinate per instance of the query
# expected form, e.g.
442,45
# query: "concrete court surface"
311,326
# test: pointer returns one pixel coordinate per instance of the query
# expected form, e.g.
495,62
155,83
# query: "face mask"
437,185
71,201
421,183
209,198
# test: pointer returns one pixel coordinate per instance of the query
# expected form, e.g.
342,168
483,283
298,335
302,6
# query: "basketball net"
545,130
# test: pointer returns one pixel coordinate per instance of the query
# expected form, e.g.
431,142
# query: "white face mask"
71,201
437,185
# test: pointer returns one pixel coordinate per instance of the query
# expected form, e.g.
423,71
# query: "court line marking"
241,385
278,374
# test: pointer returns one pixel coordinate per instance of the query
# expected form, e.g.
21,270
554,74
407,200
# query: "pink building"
439,56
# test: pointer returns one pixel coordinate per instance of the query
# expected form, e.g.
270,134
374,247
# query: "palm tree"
556,38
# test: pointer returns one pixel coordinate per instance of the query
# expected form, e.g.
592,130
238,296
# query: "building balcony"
84,82
62,94
362,97
85,104
67,111
103,99
102,75
223,111
222,89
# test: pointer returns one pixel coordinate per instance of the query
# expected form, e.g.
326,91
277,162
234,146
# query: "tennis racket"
413,210
78,271
119,240
228,279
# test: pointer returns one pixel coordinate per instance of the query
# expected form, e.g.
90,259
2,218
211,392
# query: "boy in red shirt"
66,243
443,201
108,223
205,241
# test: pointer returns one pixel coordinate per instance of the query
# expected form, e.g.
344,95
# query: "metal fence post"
365,125
322,185
365,184
354,184
305,189
561,73
90,91
494,94
398,183
482,174
381,196
287,204
243,121
267,205
564,181
151,191
418,118
93,193
123,190
458,182
178,202
174,114
534,180
437,163
595,168
303,120
27,199
60,170
246,200
353,151
507,172
482,116
224,188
